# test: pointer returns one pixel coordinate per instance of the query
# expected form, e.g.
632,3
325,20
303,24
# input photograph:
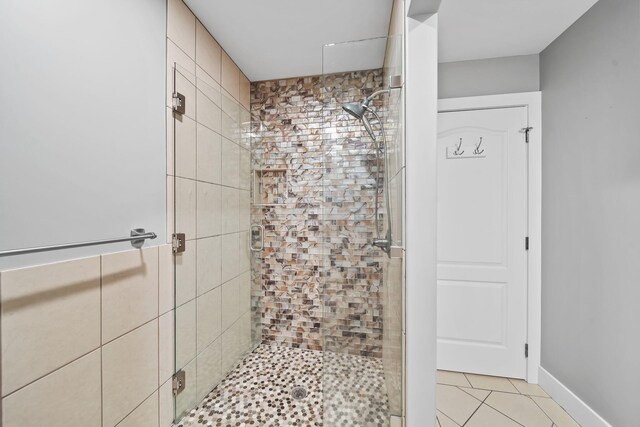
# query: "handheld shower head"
367,126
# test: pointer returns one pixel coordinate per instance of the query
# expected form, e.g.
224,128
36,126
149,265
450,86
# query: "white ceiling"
285,38
477,29
271,39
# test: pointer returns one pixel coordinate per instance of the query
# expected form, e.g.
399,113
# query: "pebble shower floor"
258,392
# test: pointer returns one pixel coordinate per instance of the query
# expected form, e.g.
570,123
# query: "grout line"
53,371
207,182
474,412
500,412
467,378
545,412
542,410
129,331
462,389
137,406
446,416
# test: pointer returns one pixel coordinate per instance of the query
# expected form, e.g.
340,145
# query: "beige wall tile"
208,113
209,158
209,209
181,26
230,163
185,209
230,302
208,52
187,400
230,76
245,333
245,129
244,256
185,281
230,106
244,210
244,170
184,77
230,262
170,208
69,396
244,293
129,291
145,415
245,91
230,126
209,264
165,279
209,87
50,316
129,372
230,210
185,334
166,346
230,343
209,368
166,404
209,318
170,142
185,147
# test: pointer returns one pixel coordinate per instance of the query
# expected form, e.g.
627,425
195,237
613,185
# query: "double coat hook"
458,152
477,150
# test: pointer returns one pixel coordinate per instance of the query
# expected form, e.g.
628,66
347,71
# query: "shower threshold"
341,390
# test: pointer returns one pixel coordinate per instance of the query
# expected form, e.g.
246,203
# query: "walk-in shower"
317,340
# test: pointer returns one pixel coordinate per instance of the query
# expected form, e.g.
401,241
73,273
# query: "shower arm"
374,94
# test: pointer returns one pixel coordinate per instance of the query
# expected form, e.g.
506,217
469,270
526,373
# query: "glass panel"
214,322
362,202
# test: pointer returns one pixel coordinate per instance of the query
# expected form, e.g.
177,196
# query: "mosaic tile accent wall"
317,283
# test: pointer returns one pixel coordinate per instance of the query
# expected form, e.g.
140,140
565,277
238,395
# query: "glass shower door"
363,287
210,176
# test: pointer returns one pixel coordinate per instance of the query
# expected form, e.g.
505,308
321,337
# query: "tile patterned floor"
342,390
471,400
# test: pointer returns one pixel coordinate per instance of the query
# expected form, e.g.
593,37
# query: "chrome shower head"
358,111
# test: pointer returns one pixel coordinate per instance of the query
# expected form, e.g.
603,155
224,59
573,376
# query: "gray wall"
591,208
82,147
489,76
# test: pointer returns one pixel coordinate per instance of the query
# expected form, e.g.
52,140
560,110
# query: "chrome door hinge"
526,243
179,103
178,243
179,382
526,350
526,132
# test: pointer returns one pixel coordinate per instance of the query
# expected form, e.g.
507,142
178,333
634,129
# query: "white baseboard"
580,411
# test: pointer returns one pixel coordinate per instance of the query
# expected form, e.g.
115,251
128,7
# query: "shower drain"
299,393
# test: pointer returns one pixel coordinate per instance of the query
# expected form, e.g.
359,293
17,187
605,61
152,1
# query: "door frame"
533,102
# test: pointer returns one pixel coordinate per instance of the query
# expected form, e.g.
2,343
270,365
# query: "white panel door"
482,225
